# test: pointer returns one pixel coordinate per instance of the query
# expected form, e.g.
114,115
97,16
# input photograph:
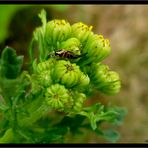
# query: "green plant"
45,103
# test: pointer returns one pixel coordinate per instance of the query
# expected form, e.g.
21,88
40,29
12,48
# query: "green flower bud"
58,97
81,31
72,44
66,73
79,99
98,73
57,31
43,66
46,65
96,49
83,82
112,85
44,78
104,80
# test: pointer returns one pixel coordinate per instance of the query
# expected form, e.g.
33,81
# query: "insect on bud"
72,44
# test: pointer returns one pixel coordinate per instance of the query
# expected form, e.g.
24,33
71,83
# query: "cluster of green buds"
71,65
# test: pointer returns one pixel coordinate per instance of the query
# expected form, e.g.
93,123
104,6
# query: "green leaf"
53,135
121,115
8,137
10,63
38,38
3,107
42,16
74,123
98,113
7,12
111,135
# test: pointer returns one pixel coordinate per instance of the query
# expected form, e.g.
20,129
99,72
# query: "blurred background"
126,28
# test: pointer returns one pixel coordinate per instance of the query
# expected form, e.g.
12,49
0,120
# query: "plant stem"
36,114
8,137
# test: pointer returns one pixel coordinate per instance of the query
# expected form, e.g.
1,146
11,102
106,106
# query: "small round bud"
112,85
81,31
66,73
58,97
104,80
57,31
79,99
46,65
44,78
83,82
98,73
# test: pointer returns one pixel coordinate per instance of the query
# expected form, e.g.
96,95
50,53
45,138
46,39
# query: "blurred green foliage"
8,11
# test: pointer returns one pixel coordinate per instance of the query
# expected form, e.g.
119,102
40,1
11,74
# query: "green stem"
8,137
31,51
36,114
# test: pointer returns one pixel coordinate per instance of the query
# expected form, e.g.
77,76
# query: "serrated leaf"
96,107
98,113
10,63
121,112
111,135
38,37
109,115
